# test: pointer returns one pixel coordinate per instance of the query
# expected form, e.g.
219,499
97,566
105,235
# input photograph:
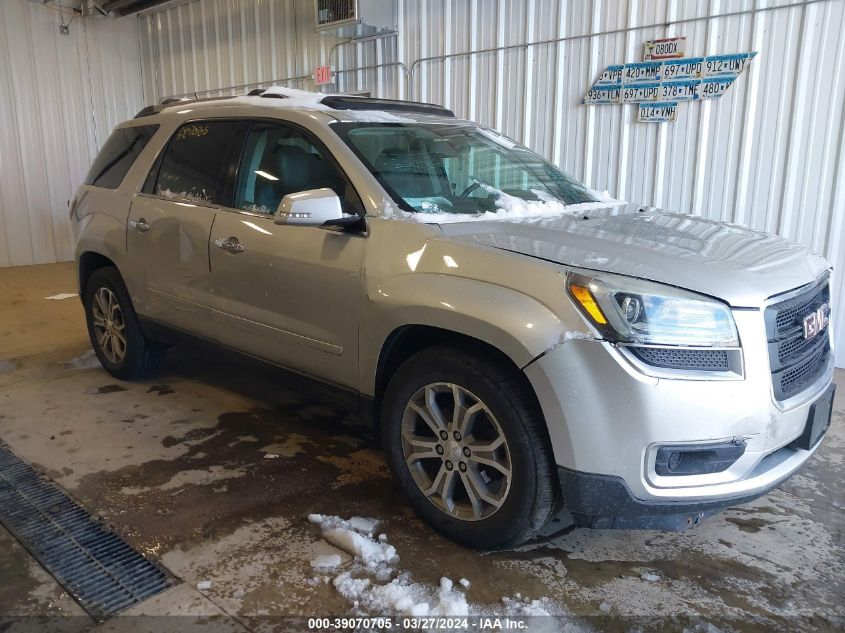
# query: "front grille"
795,361
690,359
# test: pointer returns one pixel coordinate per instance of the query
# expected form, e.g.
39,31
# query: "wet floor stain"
220,480
104,389
775,565
161,390
751,525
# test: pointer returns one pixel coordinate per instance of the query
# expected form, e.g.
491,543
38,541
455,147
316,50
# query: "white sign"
657,112
667,48
683,90
611,75
637,92
726,64
603,94
686,68
714,87
641,71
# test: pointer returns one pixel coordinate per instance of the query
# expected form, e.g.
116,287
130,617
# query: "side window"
192,165
118,155
278,160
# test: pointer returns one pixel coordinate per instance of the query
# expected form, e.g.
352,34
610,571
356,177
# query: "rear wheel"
113,328
467,445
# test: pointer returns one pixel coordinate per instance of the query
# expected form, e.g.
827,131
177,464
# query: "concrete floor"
177,466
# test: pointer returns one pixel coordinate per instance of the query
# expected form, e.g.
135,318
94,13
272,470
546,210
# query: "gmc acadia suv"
522,345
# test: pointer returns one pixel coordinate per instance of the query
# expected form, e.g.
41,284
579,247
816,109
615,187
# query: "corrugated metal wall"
768,154
60,95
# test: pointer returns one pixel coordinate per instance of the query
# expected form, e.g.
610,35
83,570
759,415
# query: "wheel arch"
407,340
87,263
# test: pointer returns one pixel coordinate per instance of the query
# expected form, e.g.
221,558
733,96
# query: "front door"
170,226
289,294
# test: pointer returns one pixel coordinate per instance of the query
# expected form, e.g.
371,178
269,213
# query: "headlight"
628,310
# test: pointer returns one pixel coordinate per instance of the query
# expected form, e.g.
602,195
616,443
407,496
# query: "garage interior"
213,469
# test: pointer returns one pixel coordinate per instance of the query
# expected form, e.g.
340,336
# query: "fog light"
675,459
697,459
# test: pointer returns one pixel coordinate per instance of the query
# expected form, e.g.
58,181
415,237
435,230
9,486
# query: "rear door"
289,294
170,224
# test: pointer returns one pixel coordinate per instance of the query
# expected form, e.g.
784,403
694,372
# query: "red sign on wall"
668,48
323,75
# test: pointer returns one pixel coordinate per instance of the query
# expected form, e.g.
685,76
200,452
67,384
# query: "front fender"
512,322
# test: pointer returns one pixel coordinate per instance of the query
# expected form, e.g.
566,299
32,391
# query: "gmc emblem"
816,321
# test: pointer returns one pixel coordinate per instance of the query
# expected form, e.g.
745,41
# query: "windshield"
456,168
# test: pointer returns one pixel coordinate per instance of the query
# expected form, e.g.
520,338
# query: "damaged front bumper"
617,432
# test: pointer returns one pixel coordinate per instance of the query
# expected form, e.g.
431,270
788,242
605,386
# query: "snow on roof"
291,98
305,100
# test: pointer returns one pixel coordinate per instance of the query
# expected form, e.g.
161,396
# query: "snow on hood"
510,208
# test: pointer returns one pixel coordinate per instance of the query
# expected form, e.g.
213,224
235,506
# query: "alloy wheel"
109,326
456,451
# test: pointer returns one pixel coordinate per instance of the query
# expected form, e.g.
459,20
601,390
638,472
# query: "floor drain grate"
96,567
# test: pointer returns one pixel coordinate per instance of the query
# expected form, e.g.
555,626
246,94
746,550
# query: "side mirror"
315,207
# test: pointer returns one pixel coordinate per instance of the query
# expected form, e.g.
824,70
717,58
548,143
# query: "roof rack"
336,102
170,102
394,105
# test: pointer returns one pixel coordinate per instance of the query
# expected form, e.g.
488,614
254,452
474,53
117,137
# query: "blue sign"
667,82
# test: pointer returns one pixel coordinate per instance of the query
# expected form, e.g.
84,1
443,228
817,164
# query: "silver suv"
522,345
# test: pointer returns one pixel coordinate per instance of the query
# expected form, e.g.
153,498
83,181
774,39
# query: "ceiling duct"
119,8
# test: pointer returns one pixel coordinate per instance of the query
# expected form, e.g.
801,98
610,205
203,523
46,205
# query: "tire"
138,356
527,499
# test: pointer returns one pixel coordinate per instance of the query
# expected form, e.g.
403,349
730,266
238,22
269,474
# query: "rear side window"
192,165
118,155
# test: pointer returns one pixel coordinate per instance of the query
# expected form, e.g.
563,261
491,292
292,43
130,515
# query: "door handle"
230,245
139,225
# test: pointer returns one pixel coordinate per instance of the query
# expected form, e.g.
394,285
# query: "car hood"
736,264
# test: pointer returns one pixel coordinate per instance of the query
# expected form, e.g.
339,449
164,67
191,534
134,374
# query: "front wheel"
467,445
113,328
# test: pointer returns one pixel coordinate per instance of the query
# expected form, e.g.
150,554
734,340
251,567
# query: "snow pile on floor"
355,537
324,561
369,551
372,585
402,596
62,295
510,208
520,606
362,525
